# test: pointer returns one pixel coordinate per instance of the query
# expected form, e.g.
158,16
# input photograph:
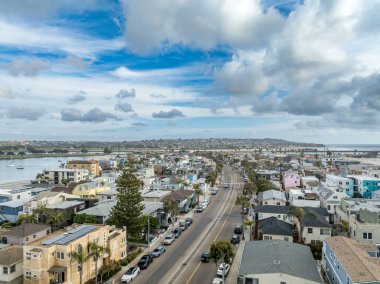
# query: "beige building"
50,258
58,176
11,265
91,165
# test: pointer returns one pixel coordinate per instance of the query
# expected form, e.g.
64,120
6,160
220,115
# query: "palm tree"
26,218
80,258
197,190
56,219
244,202
97,251
300,214
250,223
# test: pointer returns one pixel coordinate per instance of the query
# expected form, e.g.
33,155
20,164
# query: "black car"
204,257
188,222
245,210
145,261
177,232
238,229
235,239
183,226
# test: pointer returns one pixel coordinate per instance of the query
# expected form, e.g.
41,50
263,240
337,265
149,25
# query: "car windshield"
130,271
156,250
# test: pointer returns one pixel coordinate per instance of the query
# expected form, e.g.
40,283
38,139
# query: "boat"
20,168
10,163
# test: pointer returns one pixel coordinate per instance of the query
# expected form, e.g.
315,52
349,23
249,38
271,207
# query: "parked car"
189,221
130,274
204,257
245,210
217,281
158,251
199,209
183,226
169,239
238,229
235,239
214,191
177,232
226,186
226,269
145,261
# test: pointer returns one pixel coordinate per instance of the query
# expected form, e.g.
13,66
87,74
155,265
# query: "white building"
331,197
58,176
271,197
343,183
303,198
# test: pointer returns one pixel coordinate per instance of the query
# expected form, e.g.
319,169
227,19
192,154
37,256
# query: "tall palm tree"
96,251
197,190
80,258
244,202
250,223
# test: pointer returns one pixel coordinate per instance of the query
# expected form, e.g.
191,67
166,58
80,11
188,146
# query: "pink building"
290,179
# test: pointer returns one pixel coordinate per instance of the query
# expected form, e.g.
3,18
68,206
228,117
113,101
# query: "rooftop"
271,194
26,229
65,204
355,259
11,255
273,226
277,256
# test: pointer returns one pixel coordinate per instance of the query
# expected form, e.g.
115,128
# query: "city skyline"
304,71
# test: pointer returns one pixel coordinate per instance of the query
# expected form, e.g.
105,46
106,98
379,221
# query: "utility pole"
148,234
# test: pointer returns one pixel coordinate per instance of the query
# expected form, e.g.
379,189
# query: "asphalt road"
181,261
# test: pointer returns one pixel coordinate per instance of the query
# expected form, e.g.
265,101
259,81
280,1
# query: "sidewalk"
232,276
116,278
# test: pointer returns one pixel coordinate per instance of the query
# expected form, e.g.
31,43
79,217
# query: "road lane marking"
199,264
192,274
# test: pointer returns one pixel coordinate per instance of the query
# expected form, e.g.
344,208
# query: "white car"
169,239
217,281
219,272
130,274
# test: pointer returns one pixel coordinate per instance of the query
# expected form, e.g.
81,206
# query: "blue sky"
130,70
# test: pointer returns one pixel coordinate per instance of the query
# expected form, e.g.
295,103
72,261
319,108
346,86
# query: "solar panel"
70,235
75,235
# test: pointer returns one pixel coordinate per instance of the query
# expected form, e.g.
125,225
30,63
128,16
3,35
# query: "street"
181,261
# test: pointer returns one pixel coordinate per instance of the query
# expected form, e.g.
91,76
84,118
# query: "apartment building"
346,261
59,176
91,165
344,183
365,185
49,259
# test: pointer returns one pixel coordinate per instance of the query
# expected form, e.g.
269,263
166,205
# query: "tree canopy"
128,209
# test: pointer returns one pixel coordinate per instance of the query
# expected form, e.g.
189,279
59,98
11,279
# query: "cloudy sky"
147,69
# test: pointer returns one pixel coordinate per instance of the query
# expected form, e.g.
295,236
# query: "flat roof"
355,259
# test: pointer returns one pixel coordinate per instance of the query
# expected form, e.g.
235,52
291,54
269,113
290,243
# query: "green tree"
26,218
250,188
64,181
97,251
263,185
244,202
57,219
84,218
221,251
300,214
346,227
128,209
250,223
171,206
197,191
107,151
80,257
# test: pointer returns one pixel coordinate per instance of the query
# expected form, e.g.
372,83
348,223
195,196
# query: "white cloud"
27,66
199,24
42,37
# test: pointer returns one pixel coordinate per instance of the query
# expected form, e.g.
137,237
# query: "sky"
107,70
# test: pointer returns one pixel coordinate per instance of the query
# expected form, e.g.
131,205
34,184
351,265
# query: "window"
367,236
60,255
28,275
34,236
325,231
286,239
309,230
27,239
5,270
335,197
13,268
328,207
18,196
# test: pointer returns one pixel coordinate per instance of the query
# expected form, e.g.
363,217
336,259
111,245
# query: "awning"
57,268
